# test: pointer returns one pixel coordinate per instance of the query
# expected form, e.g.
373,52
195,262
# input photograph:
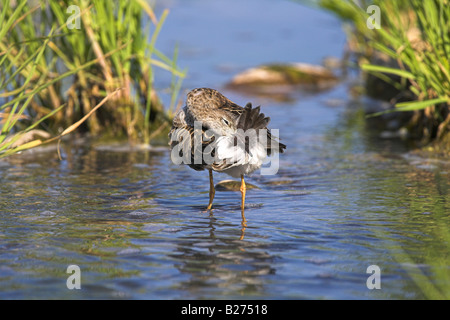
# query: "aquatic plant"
60,59
413,40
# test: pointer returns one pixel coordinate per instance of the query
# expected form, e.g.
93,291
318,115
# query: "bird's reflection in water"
216,260
243,223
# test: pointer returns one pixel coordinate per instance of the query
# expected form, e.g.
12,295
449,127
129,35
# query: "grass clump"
410,50
60,59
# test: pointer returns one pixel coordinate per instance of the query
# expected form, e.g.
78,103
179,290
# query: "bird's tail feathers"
252,118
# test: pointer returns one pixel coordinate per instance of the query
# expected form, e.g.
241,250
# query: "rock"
279,78
279,182
332,63
232,185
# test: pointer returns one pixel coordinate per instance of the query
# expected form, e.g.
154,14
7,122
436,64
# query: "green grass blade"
418,105
398,72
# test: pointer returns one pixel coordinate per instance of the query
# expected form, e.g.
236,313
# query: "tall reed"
60,59
414,35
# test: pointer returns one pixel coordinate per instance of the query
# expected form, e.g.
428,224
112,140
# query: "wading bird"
211,132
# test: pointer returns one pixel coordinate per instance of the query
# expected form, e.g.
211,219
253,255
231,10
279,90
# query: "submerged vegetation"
61,60
409,49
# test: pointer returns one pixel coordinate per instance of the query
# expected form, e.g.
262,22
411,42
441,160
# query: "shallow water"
136,225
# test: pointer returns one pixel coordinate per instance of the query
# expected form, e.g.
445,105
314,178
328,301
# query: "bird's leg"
212,191
244,225
244,221
243,189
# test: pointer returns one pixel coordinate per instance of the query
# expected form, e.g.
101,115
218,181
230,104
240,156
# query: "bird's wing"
252,118
192,148
232,108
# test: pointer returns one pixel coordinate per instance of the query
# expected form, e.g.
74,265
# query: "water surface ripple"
136,224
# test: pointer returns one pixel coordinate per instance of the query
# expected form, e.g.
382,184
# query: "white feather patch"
241,161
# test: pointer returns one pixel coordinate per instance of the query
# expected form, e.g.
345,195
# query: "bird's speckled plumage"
223,117
211,132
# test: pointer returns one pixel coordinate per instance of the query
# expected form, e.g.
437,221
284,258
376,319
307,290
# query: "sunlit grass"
414,34
52,75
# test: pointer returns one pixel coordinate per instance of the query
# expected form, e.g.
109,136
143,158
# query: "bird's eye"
226,122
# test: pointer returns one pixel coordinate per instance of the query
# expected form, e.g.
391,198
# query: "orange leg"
244,221
243,190
212,191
